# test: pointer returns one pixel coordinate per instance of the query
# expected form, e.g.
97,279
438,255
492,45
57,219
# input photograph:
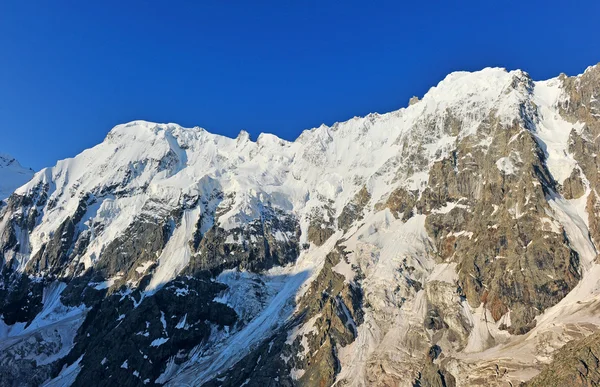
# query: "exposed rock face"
273,239
305,352
20,217
575,364
431,374
333,307
168,325
573,187
53,256
353,211
593,209
413,100
450,243
400,203
20,298
495,228
321,224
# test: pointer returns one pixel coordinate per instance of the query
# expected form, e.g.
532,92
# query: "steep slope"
451,242
12,175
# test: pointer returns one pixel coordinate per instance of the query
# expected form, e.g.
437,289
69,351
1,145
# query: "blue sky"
71,70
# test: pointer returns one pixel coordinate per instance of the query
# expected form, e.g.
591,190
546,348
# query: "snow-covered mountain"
12,175
451,242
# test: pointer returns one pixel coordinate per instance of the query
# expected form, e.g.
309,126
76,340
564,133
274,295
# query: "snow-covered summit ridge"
463,93
12,175
462,89
7,160
166,162
455,89
142,162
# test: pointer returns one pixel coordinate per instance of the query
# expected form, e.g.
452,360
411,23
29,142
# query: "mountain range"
452,242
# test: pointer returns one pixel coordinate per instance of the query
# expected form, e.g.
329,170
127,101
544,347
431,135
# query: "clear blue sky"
71,70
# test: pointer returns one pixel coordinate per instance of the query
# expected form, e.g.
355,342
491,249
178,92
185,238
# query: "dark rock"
353,211
145,332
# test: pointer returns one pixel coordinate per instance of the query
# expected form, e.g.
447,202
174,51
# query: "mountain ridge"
12,175
426,245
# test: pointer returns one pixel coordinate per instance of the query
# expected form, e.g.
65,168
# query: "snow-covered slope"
431,242
167,163
12,175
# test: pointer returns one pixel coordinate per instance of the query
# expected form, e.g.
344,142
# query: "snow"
345,269
56,324
472,95
386,325
67,375
485,332
12,175
182,323
507,166
278,309
296,373
282,285
176,254
147,163
444,272
576,228
105,284
449,206
170,370
304,330
158,342
552,130
163,321
468,234
144,267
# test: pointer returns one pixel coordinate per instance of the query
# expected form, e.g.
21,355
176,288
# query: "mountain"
12,175
449,243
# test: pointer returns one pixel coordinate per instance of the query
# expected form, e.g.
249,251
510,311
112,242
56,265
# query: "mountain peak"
6,160
12,175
